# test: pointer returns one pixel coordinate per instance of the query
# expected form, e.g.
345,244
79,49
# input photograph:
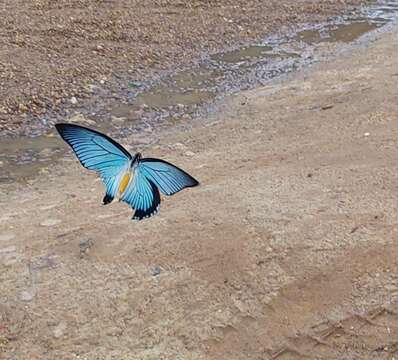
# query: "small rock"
138,114
80,118
156,271
22,108
50,222
186,117
46,152
27,295
118,120
366,134
189,153
48,207
73,100
59,330
85,246
102,81
178,146
390,287
134,84
180,106
42,262
91,87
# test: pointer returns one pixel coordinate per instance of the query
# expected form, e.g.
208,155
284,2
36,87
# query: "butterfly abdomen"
124,182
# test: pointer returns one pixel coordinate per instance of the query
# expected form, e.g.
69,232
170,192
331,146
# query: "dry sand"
287,250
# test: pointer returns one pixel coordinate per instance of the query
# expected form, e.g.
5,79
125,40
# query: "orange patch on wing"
124,182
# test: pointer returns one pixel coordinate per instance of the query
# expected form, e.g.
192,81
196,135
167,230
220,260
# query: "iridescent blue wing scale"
168,178
142,195
98,152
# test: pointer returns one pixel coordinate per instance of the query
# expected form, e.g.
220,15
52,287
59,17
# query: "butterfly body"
134,180
124,182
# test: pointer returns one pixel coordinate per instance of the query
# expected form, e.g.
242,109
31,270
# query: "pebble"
84,246
50,222
46,152
156,271
27,295
189,153
177,146
186,117
73,100
118,120
59,330
48,207
91,87
366,134
80,118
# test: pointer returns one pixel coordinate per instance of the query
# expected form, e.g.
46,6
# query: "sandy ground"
287,250
56,52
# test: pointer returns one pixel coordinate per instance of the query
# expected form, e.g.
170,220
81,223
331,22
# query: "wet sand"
286,250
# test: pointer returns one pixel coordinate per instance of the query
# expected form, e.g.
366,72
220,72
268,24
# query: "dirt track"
54,51
286,250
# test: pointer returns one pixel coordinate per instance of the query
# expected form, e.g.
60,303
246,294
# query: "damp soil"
56,55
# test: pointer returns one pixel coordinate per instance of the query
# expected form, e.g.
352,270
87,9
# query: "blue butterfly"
132,179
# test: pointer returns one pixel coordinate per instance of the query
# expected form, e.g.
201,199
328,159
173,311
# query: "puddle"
244,54
345,33
23,158
184,93
252,65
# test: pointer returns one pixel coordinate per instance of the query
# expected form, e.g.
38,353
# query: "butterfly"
132,179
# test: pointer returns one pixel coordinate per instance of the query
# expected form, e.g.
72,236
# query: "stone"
189,153
27,295
118,120
156,271
60,329
80,118
50,222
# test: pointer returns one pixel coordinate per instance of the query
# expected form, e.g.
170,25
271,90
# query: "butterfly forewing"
98,152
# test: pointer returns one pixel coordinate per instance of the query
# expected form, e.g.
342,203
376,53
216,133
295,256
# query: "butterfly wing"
98,152
168,178
142,195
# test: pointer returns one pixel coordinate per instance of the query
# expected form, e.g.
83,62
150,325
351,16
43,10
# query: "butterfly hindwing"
142,195
167,177
98,152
